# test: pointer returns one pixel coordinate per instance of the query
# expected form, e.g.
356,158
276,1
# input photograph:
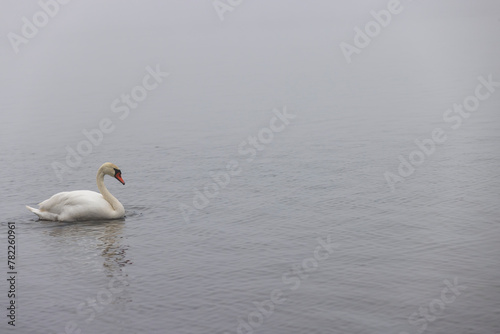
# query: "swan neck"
105,192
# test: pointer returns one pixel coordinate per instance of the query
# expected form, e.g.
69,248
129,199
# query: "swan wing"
75,205
58,202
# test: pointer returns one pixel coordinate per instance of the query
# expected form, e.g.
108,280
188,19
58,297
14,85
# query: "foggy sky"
92,51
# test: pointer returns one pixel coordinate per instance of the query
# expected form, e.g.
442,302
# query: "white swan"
84,204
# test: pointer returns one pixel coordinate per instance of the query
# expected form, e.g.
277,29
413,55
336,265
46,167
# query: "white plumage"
84,204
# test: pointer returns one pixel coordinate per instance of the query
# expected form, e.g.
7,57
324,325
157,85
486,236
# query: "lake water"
303,233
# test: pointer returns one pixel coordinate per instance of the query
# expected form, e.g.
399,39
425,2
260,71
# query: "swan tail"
43,215
32,209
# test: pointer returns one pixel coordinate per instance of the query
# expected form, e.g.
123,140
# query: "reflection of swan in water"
82,246
113,252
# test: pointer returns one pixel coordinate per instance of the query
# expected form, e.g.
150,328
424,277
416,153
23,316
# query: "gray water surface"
251,259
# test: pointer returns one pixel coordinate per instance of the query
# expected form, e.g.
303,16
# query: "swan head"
111,169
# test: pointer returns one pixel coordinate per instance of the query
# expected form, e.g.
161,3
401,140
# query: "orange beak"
118,176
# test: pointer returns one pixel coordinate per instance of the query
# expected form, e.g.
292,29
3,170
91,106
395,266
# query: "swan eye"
117,171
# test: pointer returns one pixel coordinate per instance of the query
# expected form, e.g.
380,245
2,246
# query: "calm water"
392,253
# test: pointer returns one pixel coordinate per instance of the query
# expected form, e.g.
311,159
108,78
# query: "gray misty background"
321,177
